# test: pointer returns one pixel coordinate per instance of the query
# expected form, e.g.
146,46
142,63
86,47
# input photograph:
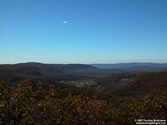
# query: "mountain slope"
146,83
44,71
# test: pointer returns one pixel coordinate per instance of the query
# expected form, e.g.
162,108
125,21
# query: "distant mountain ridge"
58,72
148,67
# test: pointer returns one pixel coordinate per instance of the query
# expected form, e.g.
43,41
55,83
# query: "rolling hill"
146,83
22,71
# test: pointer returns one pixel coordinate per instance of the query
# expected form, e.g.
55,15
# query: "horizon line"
84,63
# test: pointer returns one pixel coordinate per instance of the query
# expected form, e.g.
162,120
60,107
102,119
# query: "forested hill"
146,83
22,71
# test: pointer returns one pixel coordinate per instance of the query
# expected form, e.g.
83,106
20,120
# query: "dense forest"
33,103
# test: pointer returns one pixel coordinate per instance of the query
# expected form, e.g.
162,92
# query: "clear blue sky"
83,31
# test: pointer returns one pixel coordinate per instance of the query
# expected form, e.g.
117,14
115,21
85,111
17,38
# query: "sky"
83,31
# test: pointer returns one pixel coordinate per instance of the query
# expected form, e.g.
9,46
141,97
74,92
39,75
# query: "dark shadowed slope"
134,84
146,83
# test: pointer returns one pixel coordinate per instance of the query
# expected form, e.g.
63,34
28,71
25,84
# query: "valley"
80,94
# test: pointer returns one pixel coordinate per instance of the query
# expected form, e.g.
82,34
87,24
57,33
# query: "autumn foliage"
32,104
